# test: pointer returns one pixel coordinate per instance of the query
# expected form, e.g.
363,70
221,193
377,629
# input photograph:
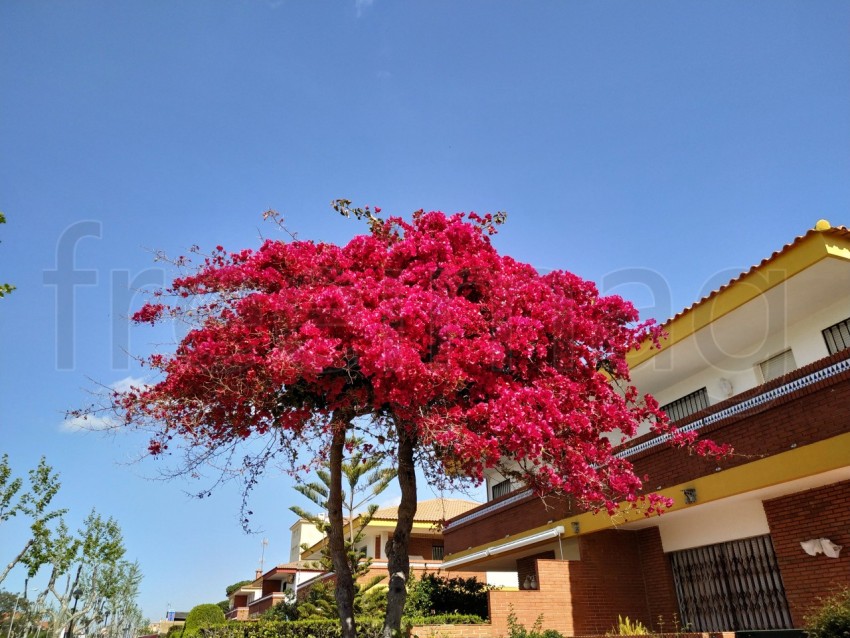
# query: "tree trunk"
336,532
398,558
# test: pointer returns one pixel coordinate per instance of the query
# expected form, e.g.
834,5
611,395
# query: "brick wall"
622,573
527,567
452,631
551,600
422,547
517,517
607,581
658,581
819,513
237,613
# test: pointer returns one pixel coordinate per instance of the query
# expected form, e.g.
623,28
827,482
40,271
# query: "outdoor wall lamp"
817,546
690,495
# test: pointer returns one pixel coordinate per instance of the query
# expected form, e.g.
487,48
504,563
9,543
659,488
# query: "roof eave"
792,259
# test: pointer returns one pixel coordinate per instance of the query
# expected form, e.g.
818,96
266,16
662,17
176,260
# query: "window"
837,337
777,365
500,489
687,405
436,552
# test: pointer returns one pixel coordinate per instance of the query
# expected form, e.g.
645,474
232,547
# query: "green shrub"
445,619
201,616
366,628
832,618
284,610
434,594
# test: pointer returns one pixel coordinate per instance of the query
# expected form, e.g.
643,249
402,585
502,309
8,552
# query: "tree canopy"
424,337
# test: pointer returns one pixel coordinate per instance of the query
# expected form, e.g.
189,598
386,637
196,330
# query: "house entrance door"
730,586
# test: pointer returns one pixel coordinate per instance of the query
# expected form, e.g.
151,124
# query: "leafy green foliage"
284,610
365,479
203,616
232,588
370,600
445,619
366,628
832,618
355,469
433,594
14,606
34,504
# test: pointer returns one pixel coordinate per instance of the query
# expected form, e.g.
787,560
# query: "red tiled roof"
431,511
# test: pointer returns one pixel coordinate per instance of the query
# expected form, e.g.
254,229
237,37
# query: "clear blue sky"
660,145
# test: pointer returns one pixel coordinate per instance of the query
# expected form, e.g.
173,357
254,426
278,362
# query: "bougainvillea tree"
424,337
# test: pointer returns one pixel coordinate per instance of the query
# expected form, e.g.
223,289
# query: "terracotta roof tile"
431,511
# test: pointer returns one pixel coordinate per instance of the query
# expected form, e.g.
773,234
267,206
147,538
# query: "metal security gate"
730,586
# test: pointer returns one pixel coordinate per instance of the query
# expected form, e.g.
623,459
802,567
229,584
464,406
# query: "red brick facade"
622,573
527,568
818,513
627,573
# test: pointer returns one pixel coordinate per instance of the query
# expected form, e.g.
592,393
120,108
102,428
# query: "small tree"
33,504
80,567
16,612
831,619
365,479
358,467
232,588
455,356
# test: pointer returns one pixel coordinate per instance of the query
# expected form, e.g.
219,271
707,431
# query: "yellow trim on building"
420,526
801,462
795,258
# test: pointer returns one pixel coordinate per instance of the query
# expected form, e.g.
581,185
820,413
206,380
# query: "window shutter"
776,366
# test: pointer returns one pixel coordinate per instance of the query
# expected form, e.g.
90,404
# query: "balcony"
802,407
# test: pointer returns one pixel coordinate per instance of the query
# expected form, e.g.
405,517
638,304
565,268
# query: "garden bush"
434,594
366,628
444,619
832,618
201,616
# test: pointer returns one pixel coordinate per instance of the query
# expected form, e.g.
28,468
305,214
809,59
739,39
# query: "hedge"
444,619
366,628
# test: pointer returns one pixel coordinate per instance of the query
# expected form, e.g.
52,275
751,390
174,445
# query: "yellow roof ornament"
823,224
